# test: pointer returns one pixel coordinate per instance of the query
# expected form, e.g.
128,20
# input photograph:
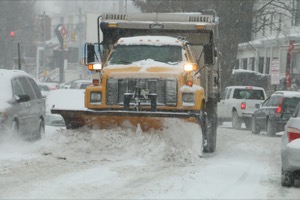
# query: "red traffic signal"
12,34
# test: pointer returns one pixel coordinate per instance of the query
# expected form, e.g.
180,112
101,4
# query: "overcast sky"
52,7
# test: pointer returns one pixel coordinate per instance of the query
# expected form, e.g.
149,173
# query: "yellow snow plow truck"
149,67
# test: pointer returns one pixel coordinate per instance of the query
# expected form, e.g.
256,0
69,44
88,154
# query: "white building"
278,29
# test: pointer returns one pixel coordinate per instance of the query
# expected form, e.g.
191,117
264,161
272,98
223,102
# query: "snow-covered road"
125,164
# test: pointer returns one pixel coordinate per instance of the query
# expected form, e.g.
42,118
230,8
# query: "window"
252,63
248,94
297,12
275,100
266,102
27,87
245,63
268,61
36,88
17,88
224,93
261,64
128,54
289,104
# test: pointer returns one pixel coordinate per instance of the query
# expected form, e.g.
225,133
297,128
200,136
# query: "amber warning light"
95,66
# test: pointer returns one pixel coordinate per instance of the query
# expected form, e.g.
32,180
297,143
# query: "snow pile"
178,144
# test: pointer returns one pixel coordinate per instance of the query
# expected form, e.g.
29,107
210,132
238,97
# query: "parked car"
53,119
22,106
46,87
275,112
290,151
80,84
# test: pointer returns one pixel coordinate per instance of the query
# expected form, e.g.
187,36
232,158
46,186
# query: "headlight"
188,67
188,97
95,97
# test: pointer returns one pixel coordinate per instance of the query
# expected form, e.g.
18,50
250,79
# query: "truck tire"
236,121
287,179
254,128
271,129
209,128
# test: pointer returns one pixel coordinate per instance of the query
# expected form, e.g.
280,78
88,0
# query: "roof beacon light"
95,66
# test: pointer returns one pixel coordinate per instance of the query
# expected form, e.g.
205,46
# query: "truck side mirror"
209,54
90,53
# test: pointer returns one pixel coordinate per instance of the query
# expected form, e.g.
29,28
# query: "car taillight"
293,133
279,107
243,105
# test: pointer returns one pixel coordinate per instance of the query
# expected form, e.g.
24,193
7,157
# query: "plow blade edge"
103,119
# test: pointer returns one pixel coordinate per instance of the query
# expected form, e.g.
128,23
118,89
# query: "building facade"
275,46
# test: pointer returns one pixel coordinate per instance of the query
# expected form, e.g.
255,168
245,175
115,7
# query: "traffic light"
12,34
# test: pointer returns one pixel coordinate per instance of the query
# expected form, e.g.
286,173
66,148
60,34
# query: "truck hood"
144,69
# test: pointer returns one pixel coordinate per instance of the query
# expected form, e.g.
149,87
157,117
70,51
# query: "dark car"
22,106
274,112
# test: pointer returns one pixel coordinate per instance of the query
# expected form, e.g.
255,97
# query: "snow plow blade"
105,119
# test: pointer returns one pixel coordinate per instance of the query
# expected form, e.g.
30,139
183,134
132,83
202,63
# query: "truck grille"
166,90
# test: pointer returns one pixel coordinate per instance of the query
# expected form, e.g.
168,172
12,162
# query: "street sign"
275,71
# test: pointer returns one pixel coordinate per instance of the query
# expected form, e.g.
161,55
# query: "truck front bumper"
117,118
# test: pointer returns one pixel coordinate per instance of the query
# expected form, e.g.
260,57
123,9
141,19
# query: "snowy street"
123,164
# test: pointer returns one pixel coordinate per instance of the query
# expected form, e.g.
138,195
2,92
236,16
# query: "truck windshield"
124,54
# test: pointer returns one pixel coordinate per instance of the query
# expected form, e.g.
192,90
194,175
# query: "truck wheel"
254,128
236,121
271,129
287,178
209,129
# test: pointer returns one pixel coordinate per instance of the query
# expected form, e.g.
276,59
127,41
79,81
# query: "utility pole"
44,39
19,57
79,43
